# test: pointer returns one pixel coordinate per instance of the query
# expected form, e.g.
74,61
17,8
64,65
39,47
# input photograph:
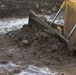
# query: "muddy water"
29,69
10,24
59,20
33,70
8,68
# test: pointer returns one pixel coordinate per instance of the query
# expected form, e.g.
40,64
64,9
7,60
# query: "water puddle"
33,70
59,20
10,24
13,69
10,68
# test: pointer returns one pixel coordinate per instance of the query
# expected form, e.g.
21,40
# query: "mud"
21,8
31,45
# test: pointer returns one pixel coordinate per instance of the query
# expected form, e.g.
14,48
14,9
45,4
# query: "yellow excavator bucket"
70,19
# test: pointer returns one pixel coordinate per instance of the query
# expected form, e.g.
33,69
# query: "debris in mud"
37,5
24,43
55,9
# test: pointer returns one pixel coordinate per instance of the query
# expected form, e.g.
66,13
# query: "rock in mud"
45,11
55,9
3,6
3,61
37,5
24,43
54,47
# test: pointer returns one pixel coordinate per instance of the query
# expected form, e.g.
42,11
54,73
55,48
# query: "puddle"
29,69
33,70
59,20
12,69
10,24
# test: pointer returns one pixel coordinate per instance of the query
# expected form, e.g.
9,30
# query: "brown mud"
31,44
21,8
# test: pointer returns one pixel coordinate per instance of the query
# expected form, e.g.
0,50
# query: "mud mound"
37,45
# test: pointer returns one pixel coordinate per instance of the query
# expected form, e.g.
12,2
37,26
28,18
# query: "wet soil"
31,44
21,8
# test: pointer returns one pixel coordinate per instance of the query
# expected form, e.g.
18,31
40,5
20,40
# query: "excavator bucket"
68,34
41,21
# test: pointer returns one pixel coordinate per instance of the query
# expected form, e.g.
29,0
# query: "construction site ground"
31,45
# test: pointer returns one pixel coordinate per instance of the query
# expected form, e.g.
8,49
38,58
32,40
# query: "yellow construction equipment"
68,30
70,20
62,7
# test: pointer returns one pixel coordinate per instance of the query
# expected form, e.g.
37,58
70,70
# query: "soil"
21,8
32,45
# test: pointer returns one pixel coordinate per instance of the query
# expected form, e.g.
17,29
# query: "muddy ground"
31,44
21,8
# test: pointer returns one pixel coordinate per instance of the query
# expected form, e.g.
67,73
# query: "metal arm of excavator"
71,32
61,8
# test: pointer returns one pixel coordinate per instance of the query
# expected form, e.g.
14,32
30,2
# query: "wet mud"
21,8
32,45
